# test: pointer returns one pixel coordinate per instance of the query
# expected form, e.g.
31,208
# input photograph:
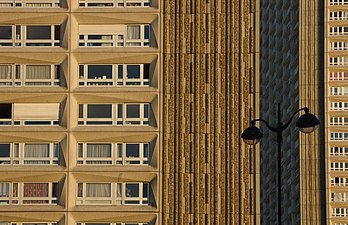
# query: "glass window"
99,71
5,111
133,71
133,111
38,32
5,32
99,111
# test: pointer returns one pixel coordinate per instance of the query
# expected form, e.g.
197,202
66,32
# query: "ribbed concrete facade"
135,108
209,87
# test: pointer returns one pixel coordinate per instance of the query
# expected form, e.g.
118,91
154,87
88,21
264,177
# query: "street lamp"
252,135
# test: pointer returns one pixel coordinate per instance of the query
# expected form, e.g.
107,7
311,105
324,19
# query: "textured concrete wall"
312,150
209,70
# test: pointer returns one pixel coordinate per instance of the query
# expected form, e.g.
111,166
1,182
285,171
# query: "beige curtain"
98,150
38,72
5,71
98,190
36,150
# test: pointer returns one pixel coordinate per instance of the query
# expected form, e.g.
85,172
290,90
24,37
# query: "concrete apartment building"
127,112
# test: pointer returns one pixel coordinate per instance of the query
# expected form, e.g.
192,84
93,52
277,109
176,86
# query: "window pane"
5,32
81,72
133,111
35,190
98,190
133,71
132,150
5,150
4,189
99,111
147,32
38,32
145,190
146,71
133,32
132,190
5,111
57,32
120,71
99,71
146,150
36,150
98,150
80,110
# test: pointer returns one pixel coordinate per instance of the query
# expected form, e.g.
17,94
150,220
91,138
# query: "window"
114,75
113,3
338,91
338,121
338,76
113,154
338,61
28,193
338,2
29,75
340,212
29,153
36,35
114,114
339,197
27,114
112,194
339,166
338,136
339,181
338,46
338,31
30,4
5,114
338,15
336,106
339,151
114,35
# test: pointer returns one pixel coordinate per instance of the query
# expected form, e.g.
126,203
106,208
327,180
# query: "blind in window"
102,29
38,72
5,71
37,111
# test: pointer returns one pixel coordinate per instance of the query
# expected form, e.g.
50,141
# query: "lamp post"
252,135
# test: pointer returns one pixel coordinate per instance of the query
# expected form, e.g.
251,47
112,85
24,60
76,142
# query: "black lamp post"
252,135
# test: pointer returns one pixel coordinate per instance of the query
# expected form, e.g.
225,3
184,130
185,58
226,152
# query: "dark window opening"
5,111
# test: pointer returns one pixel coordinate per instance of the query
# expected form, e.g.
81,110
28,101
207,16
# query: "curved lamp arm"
274,129
283,127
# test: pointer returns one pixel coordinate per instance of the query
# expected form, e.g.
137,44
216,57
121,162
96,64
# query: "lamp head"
252,135
308,122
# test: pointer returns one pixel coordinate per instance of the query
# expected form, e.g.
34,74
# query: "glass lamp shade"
252,135
307,123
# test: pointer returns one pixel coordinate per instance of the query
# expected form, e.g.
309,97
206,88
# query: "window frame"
19,198
115,80
19,76
116,158
19,37
116,119
17,155
118,194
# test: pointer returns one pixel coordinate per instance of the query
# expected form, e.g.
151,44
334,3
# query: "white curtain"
98,150
98,190
5,71
4,189
36,150
38,72
133,32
